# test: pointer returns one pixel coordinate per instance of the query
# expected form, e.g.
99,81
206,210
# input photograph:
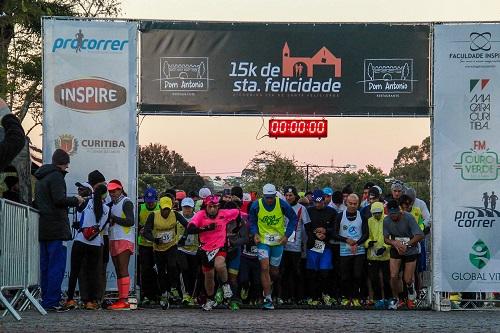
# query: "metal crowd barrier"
19,257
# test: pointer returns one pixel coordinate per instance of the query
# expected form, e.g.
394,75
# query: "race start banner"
90,102
465,161
200,68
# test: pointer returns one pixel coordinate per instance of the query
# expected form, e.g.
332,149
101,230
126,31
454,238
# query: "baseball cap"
397,185
84,184
318,195
393,207
377,207
165,202
373,192
114,184
328,191
204,192
187,202
150,195
247,197
179,195
269,190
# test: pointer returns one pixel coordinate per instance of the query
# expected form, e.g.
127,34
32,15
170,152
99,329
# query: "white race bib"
293,237
190,240
166,236
212,254
403,240
319,246
272,239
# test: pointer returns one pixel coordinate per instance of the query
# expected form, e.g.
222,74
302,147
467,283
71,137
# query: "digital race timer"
298,128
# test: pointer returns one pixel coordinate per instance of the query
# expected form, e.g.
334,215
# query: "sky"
204,142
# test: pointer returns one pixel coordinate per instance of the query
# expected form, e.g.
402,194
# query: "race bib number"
189,240
211,254
253,251
272,239
166,237
293,237
319,246
403,240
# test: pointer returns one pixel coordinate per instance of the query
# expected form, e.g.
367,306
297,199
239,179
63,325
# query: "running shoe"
164,302
244,294
91,306
119,306
234,306
219,296
345,302
209,305
70,305
226,288
327,300
187,300
174,295
268,304
279,301
401,304
393,304
356,303
312,302
57,308
380,304
146,302
410,304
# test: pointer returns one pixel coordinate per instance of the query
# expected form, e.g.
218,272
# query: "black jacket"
51,201
13,141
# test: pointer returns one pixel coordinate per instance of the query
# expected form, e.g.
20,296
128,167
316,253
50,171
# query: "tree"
271,167
164,169
412,165
20,47
337,180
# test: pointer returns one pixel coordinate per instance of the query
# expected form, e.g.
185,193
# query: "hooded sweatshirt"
51,201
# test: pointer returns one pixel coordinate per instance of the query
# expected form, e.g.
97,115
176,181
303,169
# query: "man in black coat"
54,229
13,137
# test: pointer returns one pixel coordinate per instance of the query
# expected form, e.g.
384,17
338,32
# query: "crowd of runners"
279,247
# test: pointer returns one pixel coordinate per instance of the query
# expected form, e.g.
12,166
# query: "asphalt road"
194,320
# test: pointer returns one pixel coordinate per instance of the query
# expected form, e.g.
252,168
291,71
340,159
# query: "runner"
121,240
210,224
187,259
373,196
337,202
86,252
378,256
291,269
366,189
401,231
267,224
319,251
237,236
328,192
146,261
352,231
160,228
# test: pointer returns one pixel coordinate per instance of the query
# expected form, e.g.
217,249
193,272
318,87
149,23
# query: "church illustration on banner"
304,66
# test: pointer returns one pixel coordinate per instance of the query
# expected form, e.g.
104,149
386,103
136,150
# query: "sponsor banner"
89,81
466,164
306,69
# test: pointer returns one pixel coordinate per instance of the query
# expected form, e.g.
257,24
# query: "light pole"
307,166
